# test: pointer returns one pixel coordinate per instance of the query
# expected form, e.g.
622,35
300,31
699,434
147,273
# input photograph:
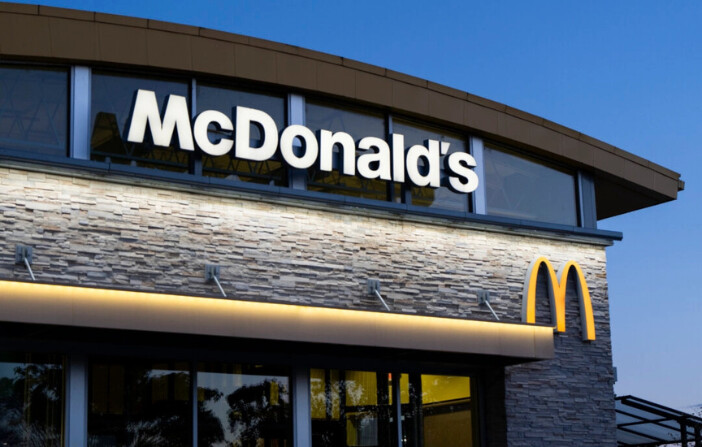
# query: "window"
34,109
31,399
243,405
359,408
35,119
442,197
139,403
225,100
149,403
521,188
111,105
358,125
438,410
351,408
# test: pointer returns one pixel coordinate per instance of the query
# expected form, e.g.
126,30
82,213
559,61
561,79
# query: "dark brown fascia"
33,32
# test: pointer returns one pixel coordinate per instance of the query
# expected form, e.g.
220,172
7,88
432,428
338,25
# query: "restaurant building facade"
211,239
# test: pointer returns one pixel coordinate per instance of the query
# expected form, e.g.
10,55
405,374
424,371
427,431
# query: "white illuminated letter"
382,158
398,157
431,156
176,117
202,122
460,164
287,140
327,140
269,134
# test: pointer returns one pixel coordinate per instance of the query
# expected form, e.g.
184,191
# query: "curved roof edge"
624,182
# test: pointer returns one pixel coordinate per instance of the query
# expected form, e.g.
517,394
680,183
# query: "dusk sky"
626,72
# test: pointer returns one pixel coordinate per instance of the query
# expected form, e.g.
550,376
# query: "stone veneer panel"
108,234
568,400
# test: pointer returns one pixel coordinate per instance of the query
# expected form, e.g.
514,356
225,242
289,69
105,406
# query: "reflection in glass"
443,197
358,125
243,405
34,109
225,100
351,408
111,106
31,400
139,404
446,411
437,412
520,188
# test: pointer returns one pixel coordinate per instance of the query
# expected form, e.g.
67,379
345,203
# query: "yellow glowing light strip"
127,310
557,294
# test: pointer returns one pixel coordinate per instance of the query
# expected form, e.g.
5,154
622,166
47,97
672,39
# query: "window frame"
543,162
296,187
69,105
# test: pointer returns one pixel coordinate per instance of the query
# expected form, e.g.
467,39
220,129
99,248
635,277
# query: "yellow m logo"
557,295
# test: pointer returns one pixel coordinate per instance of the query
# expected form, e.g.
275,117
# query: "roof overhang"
88,307
624,182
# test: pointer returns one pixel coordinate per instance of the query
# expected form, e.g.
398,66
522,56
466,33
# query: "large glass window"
111,105
151,404
351,408
437,411
243,405
139,403
34,109
521,188
358,125
225,100
442,197
358,408
31,400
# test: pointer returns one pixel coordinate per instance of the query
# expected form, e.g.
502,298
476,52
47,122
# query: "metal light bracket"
484,298
23,256
373,288
212,274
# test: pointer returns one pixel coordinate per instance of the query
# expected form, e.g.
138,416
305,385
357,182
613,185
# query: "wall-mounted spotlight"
212,274
484,298
23,256
373,288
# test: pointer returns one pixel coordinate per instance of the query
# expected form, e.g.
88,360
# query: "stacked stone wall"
90,231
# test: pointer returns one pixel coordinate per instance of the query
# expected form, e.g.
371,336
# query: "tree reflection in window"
269,172
444,197
139,404
522,188
351,408
243,405
111,105
34,109
358,125
31,400
134,403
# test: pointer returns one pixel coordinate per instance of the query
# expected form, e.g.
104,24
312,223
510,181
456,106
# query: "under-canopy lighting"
129,310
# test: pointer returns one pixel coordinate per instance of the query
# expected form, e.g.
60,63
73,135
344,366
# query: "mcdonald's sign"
557,284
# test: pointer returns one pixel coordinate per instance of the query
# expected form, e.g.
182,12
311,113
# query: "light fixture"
212,274
93,307
373,288
23,256
484,298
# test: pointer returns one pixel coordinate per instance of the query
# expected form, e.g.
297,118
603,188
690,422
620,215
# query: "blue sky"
626,72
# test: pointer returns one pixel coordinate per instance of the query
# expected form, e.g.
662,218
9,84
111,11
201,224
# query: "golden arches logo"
557,284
